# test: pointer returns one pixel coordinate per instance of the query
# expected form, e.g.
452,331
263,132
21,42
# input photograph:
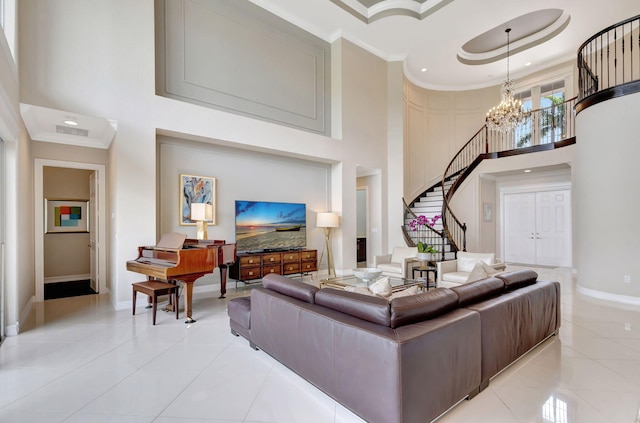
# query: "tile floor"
78,360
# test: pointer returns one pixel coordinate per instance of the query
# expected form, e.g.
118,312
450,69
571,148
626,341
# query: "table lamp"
327,221
201,213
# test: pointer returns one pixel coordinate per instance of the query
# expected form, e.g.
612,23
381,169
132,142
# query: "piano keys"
177,258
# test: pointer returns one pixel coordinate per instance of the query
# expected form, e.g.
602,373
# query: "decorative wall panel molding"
237,57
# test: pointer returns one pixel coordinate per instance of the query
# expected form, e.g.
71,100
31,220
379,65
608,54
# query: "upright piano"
177,258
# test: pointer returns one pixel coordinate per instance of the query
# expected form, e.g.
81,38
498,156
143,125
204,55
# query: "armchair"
452,273
396,263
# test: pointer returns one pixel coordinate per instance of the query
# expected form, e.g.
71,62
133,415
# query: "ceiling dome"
527,31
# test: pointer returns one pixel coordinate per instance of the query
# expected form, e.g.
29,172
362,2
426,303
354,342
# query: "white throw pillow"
489,270
381,287
478,272
358,289
412,290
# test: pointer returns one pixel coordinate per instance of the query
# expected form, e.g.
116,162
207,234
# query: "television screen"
269,226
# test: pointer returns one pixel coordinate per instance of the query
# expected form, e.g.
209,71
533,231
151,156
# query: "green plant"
424,248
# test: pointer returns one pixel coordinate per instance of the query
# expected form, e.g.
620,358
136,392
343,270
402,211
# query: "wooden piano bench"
154,289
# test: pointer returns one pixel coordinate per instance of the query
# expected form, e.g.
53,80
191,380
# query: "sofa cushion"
286,286
390,267
466,261
518,278
474,292
370,308
416,308
456,277
401,253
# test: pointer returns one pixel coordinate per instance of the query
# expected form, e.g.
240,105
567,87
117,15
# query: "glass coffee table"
397,283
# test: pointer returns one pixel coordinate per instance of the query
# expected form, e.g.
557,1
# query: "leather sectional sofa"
406,361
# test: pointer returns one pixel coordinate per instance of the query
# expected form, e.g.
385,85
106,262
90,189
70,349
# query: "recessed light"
528,64
70,121
423,70
527,171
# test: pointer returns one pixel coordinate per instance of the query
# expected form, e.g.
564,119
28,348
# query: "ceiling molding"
48,125
418,9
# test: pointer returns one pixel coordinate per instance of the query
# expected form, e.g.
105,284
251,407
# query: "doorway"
88,242
361,226
537,228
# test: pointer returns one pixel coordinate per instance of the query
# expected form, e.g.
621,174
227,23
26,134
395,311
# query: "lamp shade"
201,211
327,220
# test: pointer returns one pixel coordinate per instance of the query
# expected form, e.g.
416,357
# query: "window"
548,124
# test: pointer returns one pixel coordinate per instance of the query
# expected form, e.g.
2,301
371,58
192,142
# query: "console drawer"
247,273
250,260
289,257
268,259
266,269
290,268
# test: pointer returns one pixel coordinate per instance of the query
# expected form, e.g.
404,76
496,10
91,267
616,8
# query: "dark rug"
67,289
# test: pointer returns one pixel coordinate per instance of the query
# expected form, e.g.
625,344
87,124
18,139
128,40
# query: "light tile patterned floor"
78,360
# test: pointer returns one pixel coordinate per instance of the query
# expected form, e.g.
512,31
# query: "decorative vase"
424,256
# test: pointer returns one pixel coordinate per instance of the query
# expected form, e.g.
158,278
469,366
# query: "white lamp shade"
327,220
201,211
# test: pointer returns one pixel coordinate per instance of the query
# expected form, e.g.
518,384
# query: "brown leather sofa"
405,361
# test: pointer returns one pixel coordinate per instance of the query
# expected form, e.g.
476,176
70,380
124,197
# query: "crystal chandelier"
509,113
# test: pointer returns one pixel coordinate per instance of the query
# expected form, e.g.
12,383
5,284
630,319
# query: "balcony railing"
609,63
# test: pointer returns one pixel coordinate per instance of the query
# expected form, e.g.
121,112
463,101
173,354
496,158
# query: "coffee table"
397,283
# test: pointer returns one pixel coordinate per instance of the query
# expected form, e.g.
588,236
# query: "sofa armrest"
405,266
385,258
443,267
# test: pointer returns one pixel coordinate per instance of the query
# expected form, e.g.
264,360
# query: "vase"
424,256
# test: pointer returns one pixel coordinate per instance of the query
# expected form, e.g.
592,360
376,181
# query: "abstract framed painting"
66,216
196,189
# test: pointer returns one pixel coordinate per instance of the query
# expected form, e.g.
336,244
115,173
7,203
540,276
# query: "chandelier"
509,113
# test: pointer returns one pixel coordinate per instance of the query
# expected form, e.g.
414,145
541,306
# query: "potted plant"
425,252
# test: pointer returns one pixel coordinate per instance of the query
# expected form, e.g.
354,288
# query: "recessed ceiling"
435,41
527,31
49,125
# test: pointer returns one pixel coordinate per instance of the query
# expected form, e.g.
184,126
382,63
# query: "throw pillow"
490,271
358,289
381,287
478,272
412,290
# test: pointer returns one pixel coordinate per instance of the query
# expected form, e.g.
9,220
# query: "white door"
93,231
519,228
553,228
537,228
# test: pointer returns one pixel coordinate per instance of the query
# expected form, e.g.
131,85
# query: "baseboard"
607,296
14,330
67,278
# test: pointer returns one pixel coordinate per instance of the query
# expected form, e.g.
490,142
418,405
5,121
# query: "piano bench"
154,289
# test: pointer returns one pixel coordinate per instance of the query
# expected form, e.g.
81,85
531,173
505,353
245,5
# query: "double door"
537,228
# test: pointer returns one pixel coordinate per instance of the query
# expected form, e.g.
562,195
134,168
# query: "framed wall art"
196,189
66,216
487,212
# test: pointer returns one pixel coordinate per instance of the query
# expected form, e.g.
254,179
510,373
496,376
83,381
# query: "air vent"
72,131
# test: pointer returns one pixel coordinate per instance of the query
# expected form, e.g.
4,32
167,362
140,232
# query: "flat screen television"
270,226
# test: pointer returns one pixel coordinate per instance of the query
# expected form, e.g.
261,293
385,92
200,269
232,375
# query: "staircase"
449,235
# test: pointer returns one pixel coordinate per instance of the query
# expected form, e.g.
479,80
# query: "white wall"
607,201
97,58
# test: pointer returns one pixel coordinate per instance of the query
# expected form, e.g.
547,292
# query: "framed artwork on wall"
66,216
196,189
487,212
